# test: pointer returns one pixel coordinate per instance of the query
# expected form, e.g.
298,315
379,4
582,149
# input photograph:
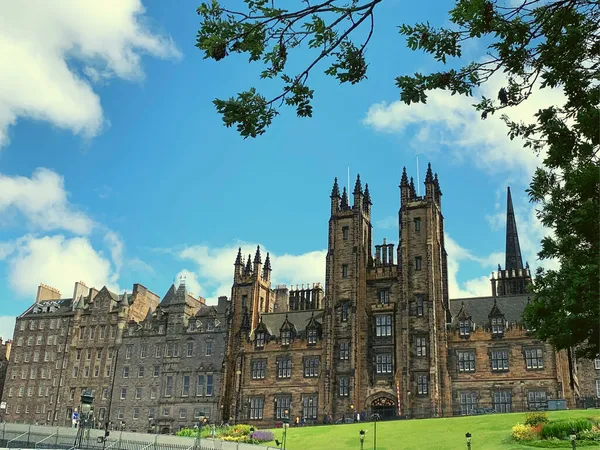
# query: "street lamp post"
85,418
573,437
468,436
352,411
199,433
286,425
362,438
375,418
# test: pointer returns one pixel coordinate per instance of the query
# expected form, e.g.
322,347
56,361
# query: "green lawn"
489,432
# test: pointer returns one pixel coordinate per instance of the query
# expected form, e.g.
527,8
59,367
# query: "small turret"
267,268
335,197
438,191
248,270
257,261
429,183
238,264
413,192
367,200
344,203
404,188
358,193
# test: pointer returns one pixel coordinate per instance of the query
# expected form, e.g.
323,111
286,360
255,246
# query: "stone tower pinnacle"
513,249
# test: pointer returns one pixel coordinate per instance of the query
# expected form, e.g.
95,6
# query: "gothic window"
260,339
311,335
502,401
417,224
497,326
344,311
499,360
418,263
310,405
284,368
420,305
344,350
466,361
384,297
421,343
311,367
257,406
534,358
537,400
468,403
383,363
383,325
344,387
464,327
345,232
422,384
344,270
282,406
286,336
259,368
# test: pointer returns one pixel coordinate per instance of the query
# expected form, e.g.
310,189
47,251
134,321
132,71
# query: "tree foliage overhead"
532,45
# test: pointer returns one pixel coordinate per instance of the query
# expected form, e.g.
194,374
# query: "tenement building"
382,336
5,348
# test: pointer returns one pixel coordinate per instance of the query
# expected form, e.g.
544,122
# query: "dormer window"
311,336
260,339
497,326
210,325
286,337
464,328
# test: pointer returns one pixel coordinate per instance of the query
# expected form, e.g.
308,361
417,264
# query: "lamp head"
573,434
468,436
351,405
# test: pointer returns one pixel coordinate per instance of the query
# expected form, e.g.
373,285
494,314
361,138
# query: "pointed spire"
344,204
257,257
249,265
357,186
268,262
413,192
429,175
367,195
513,249
335,192
404,179
238,259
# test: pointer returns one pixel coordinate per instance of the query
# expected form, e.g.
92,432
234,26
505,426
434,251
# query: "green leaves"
250,111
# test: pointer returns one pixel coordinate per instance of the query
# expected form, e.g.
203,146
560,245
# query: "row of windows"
499,359
165,411
501,401
204,386
286,337
284,368
48,356
497,326
309,405
41,324
38,340
169,350
89,332
89,352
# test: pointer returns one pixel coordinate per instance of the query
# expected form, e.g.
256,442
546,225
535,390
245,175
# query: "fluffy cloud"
451,122
58,261
7,327
42,201
214,274
44,43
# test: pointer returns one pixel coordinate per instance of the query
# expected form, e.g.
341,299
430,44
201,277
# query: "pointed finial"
257,257
499,268
527,265
335,191
367,195
404,179
268,262
413,192
429,175
238,259
249,265
357,186
344,203
513,256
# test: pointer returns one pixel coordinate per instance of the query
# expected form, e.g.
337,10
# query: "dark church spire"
238,259
429,175
249,265
344,204
367,195
413,192
513,249
404,179
335,191
257,256
357,186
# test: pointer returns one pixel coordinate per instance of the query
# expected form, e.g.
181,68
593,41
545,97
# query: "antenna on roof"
418,181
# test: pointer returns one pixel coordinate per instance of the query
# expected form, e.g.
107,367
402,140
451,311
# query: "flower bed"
234,433
539,431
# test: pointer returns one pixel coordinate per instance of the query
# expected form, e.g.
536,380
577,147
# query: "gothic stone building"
385,337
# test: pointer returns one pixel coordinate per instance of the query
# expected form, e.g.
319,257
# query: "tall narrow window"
468,403
344,350
209,385
421,346
419,305
286,337
208,348
417,224
383,364
384,297
284,368
344,311
257,405
344,387
383,325
344,270
422,384
502,401
310,406
345,232
185,389
169,386
190,349
282,404
260,339
417,263
311,336
200,385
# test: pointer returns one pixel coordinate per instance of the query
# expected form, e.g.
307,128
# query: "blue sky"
115,168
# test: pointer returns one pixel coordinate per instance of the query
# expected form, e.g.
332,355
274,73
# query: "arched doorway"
385,407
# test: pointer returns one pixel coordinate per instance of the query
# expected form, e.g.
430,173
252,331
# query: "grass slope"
490,432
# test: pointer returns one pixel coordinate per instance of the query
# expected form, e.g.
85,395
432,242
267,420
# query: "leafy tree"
536,44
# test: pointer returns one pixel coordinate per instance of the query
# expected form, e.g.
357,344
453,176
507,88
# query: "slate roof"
61,307
274,321
479,308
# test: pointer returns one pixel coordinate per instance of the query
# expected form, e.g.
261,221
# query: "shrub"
522,432
536,418
561,429
590,435
262,436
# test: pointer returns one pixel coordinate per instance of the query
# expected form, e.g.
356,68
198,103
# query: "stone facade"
5,348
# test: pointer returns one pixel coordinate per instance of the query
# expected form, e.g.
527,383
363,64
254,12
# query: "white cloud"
59,262
42,201
475,287
386,223
215,267
452,122
191,282
116,248
43,43
7,327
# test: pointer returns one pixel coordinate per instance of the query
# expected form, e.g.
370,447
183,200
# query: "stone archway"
382,403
